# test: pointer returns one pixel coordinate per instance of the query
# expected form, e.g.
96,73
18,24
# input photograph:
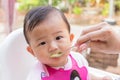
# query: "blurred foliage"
64,9
72,1
77,10
105,10
117,5
56,2
25,5
75,6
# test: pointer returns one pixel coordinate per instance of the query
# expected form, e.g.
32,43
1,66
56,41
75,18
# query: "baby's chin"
60,62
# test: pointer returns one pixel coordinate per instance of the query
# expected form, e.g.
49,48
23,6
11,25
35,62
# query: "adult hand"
100,38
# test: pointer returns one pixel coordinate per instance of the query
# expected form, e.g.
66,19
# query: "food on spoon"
56,55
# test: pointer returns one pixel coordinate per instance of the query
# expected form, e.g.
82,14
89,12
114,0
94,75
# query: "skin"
100,38
50,37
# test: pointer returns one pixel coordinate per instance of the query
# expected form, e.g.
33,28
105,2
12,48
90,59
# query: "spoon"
59,54
72,48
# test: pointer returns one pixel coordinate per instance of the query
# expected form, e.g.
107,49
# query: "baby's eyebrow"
57,32
40,38
43,37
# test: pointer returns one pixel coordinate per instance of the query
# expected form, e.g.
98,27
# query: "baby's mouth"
56,55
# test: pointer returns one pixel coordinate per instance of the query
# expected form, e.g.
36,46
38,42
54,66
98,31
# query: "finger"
94,28
82,47
92,36
97,46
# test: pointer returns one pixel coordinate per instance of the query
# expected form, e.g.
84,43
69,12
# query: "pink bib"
75,73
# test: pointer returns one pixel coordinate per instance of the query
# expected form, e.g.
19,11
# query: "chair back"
15,61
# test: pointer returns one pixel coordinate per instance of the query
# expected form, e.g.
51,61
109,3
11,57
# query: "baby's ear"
71,37
30,50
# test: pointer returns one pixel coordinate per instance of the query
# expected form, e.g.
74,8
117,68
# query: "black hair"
36,15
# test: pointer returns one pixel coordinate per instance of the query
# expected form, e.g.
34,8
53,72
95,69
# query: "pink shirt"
71,74
76,61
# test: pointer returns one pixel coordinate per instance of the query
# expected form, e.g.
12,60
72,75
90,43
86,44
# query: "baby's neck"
68,65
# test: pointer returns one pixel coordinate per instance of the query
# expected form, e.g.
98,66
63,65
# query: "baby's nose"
53,47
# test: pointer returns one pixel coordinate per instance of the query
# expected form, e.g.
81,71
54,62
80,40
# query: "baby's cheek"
65,45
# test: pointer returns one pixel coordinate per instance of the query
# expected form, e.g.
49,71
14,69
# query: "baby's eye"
59,37
42,43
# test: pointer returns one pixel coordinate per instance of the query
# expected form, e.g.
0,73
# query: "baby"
47,33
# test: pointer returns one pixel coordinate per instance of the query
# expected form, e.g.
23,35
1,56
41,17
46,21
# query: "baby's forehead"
49,16
53,14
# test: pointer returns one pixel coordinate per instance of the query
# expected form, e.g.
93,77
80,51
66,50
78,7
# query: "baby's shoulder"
35,73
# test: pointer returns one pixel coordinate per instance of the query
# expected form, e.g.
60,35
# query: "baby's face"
50,40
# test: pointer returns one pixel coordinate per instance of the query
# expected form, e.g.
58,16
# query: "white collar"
67,66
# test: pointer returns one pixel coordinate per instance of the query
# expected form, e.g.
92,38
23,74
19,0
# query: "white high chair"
15,61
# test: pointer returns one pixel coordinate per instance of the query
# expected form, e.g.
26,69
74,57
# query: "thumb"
82,47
